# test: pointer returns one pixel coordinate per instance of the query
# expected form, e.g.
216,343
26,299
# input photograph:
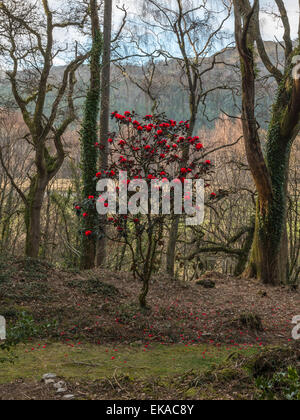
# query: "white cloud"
272,28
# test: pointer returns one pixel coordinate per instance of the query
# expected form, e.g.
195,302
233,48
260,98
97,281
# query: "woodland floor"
89,330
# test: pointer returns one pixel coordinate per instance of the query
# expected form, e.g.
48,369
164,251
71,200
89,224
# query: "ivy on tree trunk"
89,136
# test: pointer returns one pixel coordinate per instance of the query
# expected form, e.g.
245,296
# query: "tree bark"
171,250
89,137
269,257
33,217
104,115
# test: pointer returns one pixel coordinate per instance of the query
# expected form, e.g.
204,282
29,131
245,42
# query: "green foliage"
94,286
88,133
26,328
88,138
282,386
277,155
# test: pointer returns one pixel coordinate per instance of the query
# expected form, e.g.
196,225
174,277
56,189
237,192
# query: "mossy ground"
156,372
97,362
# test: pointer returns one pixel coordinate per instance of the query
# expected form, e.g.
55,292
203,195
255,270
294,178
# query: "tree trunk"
269,259
269,256
171,251
33,217
243,258
144,292
89,137
104,115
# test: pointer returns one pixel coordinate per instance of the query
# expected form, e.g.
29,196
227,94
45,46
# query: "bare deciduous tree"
27,37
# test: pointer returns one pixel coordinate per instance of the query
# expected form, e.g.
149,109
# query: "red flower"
199,146
98,174
119,117
208,162
162,155
91,197
88,233
159,132
85,215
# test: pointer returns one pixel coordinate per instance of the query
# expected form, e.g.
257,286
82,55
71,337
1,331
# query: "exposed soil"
101,307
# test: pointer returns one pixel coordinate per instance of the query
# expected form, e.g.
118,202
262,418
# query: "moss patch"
97,362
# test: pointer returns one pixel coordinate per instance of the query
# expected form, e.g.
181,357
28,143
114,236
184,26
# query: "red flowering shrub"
146,149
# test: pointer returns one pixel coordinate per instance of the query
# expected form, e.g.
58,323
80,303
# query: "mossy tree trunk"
269,257
89,136
33,216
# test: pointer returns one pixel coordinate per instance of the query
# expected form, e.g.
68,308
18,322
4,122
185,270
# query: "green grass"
90,362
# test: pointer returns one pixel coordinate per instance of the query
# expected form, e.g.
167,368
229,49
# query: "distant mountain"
170,91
